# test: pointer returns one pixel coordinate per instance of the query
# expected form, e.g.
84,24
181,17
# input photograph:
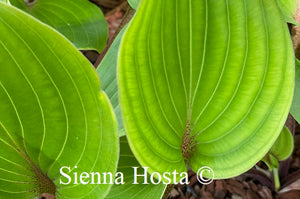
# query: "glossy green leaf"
128,189
205,83
295,109
53,113
284,145
107,71
288,8
80,21
281,149
134,3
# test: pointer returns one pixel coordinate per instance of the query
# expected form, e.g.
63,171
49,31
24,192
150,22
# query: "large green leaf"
205,83
128,189
80,21
53,113
295,109
107,71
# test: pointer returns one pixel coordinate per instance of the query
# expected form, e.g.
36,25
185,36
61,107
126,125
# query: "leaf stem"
127,17
285,165
276,179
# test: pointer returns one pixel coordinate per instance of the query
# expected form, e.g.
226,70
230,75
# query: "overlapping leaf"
52,113
134,3
284,145
295,109
80,21
288,8
107,71
205,83
128,189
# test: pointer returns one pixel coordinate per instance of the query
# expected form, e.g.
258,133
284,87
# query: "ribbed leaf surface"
108,75
53,113
80,21
205,83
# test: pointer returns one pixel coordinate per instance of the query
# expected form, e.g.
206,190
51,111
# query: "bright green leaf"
205,83
281,150
107,71
134,3
80,21
53,113
129,190
271,162
295,109
284,145
288,8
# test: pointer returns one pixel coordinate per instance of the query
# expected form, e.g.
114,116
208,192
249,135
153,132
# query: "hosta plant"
185,84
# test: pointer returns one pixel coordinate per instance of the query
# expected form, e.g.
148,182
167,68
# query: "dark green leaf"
80,21
295,109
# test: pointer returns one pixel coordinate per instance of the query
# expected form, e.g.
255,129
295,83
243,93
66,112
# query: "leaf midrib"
39,178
